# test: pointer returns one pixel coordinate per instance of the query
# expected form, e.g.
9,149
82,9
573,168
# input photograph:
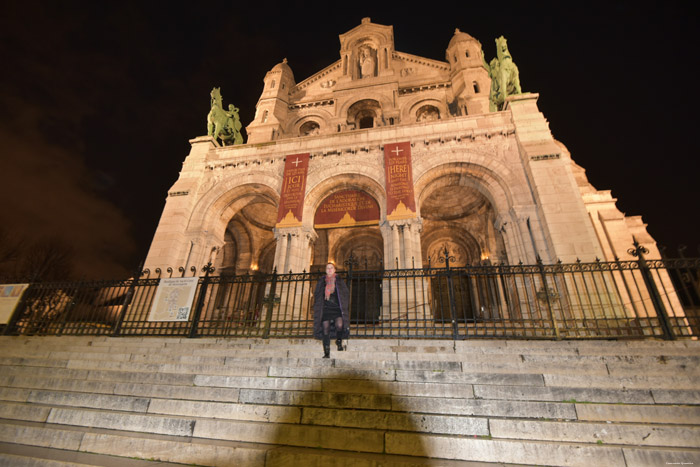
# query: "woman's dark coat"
343,298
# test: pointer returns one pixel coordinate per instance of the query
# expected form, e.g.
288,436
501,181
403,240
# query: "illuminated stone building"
390,157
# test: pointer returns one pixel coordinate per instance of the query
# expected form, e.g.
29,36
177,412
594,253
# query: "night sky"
99,99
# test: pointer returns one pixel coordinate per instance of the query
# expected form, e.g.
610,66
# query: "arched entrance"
246,256
458,224
249,244
346,222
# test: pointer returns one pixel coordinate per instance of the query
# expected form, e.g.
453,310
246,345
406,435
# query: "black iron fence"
620,299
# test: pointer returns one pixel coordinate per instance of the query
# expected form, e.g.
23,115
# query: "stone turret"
470,80
273,105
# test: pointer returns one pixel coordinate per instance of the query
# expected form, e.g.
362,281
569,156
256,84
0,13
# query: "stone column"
281,236
395,247
293,251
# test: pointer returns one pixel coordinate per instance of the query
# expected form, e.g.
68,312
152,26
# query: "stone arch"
410,109
461,244
385,104
318,190
365,113
486,181
225,194
459,204
365,245
243,214
318,116
427,113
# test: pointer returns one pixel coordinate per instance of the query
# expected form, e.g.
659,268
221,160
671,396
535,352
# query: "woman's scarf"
330,285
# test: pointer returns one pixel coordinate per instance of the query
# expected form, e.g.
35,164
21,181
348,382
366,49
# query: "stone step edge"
316,424
270,452
313,389
20,455
186,440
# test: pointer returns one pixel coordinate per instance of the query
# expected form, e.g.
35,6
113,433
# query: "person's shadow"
347,415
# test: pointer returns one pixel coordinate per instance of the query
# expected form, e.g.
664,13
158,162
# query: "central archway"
346,222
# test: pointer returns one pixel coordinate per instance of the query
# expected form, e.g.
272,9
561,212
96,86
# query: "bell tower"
470,80
273,105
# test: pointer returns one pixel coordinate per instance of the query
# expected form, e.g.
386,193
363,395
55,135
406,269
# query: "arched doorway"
248,240
244,261
346,222
458,224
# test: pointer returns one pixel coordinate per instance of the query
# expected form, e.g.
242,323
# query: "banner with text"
347,208
400,199
10,295
293,187
173,300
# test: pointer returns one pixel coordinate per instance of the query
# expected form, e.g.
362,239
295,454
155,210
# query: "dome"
460,37
283,67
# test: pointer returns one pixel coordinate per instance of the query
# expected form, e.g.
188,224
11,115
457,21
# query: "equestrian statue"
505,80
222,124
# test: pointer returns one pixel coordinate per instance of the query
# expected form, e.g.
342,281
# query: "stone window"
264,117
477,90
272,84
364,113
367,122
309,128
466,53
427,113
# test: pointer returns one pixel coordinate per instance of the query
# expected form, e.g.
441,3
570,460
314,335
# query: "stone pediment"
378,34
415,67
321,82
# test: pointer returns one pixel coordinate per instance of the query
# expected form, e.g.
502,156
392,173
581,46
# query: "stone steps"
256,402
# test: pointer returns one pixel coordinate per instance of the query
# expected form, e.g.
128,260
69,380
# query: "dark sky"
99,99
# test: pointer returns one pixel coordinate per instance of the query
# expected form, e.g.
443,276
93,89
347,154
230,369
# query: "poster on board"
10,295
173,300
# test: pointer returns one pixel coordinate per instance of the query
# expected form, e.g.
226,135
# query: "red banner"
400,200
347,208
293,188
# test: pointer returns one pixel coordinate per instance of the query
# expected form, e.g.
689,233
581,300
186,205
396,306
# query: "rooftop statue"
505,80
222,124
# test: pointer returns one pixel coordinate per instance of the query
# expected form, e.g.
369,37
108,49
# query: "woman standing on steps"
331,299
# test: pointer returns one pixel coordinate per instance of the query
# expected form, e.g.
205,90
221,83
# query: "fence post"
639,251
116,330
545,288
450,291
270,302
350,262
200,301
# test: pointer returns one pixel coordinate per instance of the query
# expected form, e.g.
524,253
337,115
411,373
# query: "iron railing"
619,299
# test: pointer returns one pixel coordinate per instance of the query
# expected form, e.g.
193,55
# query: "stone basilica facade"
388,157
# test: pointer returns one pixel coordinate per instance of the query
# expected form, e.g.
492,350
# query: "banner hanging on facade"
400,199
10,294
173,300
347,208
293,188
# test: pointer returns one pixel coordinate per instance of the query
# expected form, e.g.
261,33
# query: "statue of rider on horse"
505,79
222,124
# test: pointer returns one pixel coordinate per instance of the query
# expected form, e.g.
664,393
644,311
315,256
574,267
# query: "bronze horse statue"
505,78
222,124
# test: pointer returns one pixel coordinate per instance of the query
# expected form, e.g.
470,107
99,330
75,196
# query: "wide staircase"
252,402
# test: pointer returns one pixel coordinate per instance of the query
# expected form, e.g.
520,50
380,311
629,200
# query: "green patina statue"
222,124
505,80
